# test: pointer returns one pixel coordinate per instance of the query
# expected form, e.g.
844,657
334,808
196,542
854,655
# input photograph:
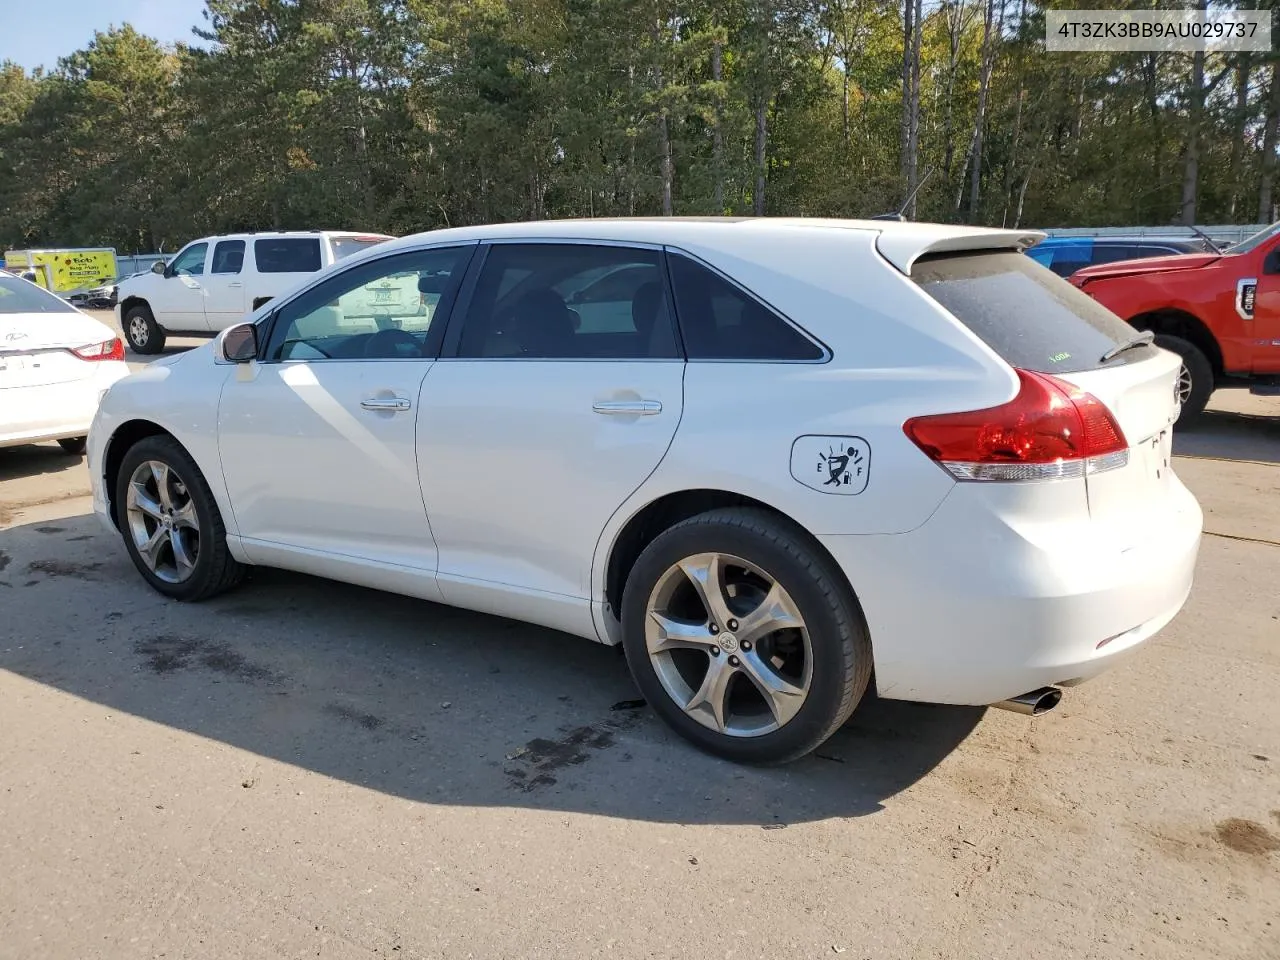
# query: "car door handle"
235,283
392,403
628,408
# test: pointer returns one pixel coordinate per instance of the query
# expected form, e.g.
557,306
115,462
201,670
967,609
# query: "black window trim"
453,330
269,322
827,354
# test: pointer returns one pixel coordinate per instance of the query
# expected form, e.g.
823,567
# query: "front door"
557,395
1263,330
177,301
224,303
318,439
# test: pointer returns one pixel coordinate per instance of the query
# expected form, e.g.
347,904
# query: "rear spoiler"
903,247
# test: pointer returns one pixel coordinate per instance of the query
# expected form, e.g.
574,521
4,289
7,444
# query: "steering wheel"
392,342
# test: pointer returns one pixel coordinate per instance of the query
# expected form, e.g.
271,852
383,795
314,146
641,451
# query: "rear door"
1038,322
556,396
224,302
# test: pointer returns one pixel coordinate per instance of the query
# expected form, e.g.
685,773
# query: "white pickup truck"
213,282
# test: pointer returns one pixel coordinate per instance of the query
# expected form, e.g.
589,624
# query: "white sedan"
55,364
773,459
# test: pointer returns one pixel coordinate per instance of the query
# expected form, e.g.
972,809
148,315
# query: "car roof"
901,243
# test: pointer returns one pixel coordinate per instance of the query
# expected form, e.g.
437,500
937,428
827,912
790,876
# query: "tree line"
407,115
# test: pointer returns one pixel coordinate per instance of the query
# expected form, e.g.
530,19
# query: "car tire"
759,554
1195,378
141,331
188,557
73,446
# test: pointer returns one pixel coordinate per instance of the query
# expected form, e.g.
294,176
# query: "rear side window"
228,256
287,254
346,246
1031,318
723,322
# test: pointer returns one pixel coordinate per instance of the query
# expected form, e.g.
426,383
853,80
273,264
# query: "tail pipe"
1034,703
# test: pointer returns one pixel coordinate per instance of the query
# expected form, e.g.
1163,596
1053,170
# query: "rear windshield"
22,296
1031,318
346,246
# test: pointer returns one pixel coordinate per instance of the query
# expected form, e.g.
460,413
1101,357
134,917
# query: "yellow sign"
63,271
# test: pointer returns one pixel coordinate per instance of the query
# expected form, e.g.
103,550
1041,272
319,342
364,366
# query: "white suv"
213,282
777,460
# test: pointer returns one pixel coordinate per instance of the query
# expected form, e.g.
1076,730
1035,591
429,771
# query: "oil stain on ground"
166,654
535,765
63,568
4,560
1247,836
367,721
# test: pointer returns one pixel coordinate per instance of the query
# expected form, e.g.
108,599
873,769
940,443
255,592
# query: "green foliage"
404,115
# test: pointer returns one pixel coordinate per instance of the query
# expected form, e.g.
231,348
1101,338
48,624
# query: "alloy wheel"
729,645
138,330
1184,385
162,521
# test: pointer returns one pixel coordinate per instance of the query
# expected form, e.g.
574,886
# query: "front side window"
554,301
228,256
720,321
378,310
287,254
190,262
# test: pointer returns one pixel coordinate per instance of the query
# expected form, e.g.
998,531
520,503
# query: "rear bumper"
966,609
37,413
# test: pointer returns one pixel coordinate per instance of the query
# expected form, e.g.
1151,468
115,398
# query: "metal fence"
127,264
1231,233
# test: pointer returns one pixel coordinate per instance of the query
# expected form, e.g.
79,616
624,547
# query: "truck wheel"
1195,380
142,331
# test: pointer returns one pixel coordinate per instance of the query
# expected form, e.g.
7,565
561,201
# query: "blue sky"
37,32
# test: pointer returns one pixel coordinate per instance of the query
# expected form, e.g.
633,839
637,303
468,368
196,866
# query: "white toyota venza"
55,363
777,460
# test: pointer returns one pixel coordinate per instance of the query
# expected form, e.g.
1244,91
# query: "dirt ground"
301,768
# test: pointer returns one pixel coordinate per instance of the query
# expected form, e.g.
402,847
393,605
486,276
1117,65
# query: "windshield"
1259,238
23,296
1031,318
346,246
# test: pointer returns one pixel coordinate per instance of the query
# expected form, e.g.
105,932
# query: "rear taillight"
106,350
1050,430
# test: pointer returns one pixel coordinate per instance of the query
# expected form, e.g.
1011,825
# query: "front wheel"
170,522
1195,379
743,638
141,330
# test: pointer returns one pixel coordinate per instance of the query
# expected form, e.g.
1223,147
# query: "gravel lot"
301,768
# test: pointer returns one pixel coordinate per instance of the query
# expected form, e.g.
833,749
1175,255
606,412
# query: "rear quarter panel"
760,429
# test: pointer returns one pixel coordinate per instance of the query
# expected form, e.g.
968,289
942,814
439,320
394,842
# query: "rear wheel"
170,522
142,331
73,446
743,638
1195,379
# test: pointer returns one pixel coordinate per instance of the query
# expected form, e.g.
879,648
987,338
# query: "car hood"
1126,268
50,331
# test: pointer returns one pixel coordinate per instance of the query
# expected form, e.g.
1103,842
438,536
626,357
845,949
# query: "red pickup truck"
1219,311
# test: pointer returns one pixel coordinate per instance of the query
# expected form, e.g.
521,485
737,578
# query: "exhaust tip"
1034,703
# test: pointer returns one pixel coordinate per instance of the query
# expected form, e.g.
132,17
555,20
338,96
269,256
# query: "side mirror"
240,343
158,267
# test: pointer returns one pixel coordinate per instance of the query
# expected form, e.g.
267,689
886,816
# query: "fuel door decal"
828,464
